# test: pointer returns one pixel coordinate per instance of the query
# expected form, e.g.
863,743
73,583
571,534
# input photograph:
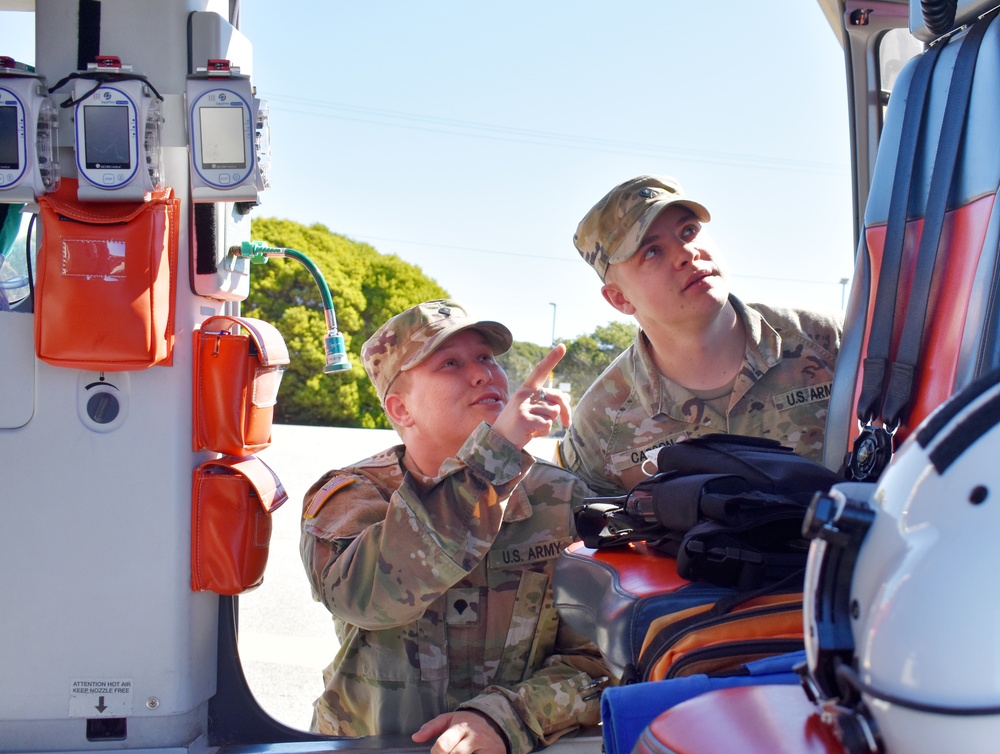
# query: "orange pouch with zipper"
107,276
714,639
231,505
238,362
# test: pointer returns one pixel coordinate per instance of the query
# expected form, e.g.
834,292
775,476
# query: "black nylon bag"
729,508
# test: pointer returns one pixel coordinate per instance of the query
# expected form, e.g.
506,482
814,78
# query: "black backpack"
729,508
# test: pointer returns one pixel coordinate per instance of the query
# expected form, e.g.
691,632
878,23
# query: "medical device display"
117,126
227,127
28,119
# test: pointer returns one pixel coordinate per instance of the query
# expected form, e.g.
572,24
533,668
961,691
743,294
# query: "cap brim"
633,239
496,334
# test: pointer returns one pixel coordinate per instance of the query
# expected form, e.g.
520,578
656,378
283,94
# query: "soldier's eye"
690,231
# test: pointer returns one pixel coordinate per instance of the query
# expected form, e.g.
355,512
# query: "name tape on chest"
802,396
526,555
632,457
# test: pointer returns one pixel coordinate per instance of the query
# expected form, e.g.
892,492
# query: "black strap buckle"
870,455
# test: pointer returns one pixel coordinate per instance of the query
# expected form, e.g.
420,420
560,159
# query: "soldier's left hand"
461,733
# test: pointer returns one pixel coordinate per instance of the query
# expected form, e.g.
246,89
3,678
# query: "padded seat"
960,340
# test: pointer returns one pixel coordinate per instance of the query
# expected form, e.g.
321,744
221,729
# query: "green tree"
367,288
520,360
589,355
586,357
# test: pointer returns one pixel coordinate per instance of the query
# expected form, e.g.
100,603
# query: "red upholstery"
748,720
639,571
964,233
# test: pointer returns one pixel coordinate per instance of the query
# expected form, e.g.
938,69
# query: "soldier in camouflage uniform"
435,556
702,361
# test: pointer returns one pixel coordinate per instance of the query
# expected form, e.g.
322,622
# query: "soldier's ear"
396,410
617,298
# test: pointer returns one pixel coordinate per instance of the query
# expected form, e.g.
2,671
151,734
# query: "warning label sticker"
100,697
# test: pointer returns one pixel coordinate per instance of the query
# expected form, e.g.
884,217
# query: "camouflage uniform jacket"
442,598
782,392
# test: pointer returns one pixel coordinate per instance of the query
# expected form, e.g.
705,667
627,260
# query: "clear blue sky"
469,138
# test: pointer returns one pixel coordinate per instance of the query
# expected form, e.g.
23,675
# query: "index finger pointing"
544,367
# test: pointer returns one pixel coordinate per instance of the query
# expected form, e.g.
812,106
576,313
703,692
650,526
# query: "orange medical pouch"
232,501
236,381
107,276
714,639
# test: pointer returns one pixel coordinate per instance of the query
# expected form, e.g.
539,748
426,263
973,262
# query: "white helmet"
902,625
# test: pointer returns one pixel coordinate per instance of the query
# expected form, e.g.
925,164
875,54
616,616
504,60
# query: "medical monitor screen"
8,138
107,132
222,142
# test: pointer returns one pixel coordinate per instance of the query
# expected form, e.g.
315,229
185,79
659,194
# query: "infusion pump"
117,119
229,136
28,122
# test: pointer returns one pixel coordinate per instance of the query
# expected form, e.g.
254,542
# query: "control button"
103,400
103,407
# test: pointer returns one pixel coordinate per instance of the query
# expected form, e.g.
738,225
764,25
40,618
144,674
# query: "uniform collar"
763,341
517,507
657,394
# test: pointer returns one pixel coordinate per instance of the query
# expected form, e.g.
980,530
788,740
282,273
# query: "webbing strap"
901,376
876,360
88,33
886,393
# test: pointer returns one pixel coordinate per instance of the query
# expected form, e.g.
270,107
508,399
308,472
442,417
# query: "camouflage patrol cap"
613,229
411,336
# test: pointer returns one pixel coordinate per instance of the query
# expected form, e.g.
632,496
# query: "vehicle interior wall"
95,556
84,534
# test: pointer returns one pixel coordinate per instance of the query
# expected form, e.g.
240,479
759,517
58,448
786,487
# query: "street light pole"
553,322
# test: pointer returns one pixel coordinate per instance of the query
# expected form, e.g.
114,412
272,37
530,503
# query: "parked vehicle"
106,644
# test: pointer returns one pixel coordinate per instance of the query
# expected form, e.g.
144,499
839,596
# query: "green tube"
333,344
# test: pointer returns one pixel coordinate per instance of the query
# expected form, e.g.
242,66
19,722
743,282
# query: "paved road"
286,639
